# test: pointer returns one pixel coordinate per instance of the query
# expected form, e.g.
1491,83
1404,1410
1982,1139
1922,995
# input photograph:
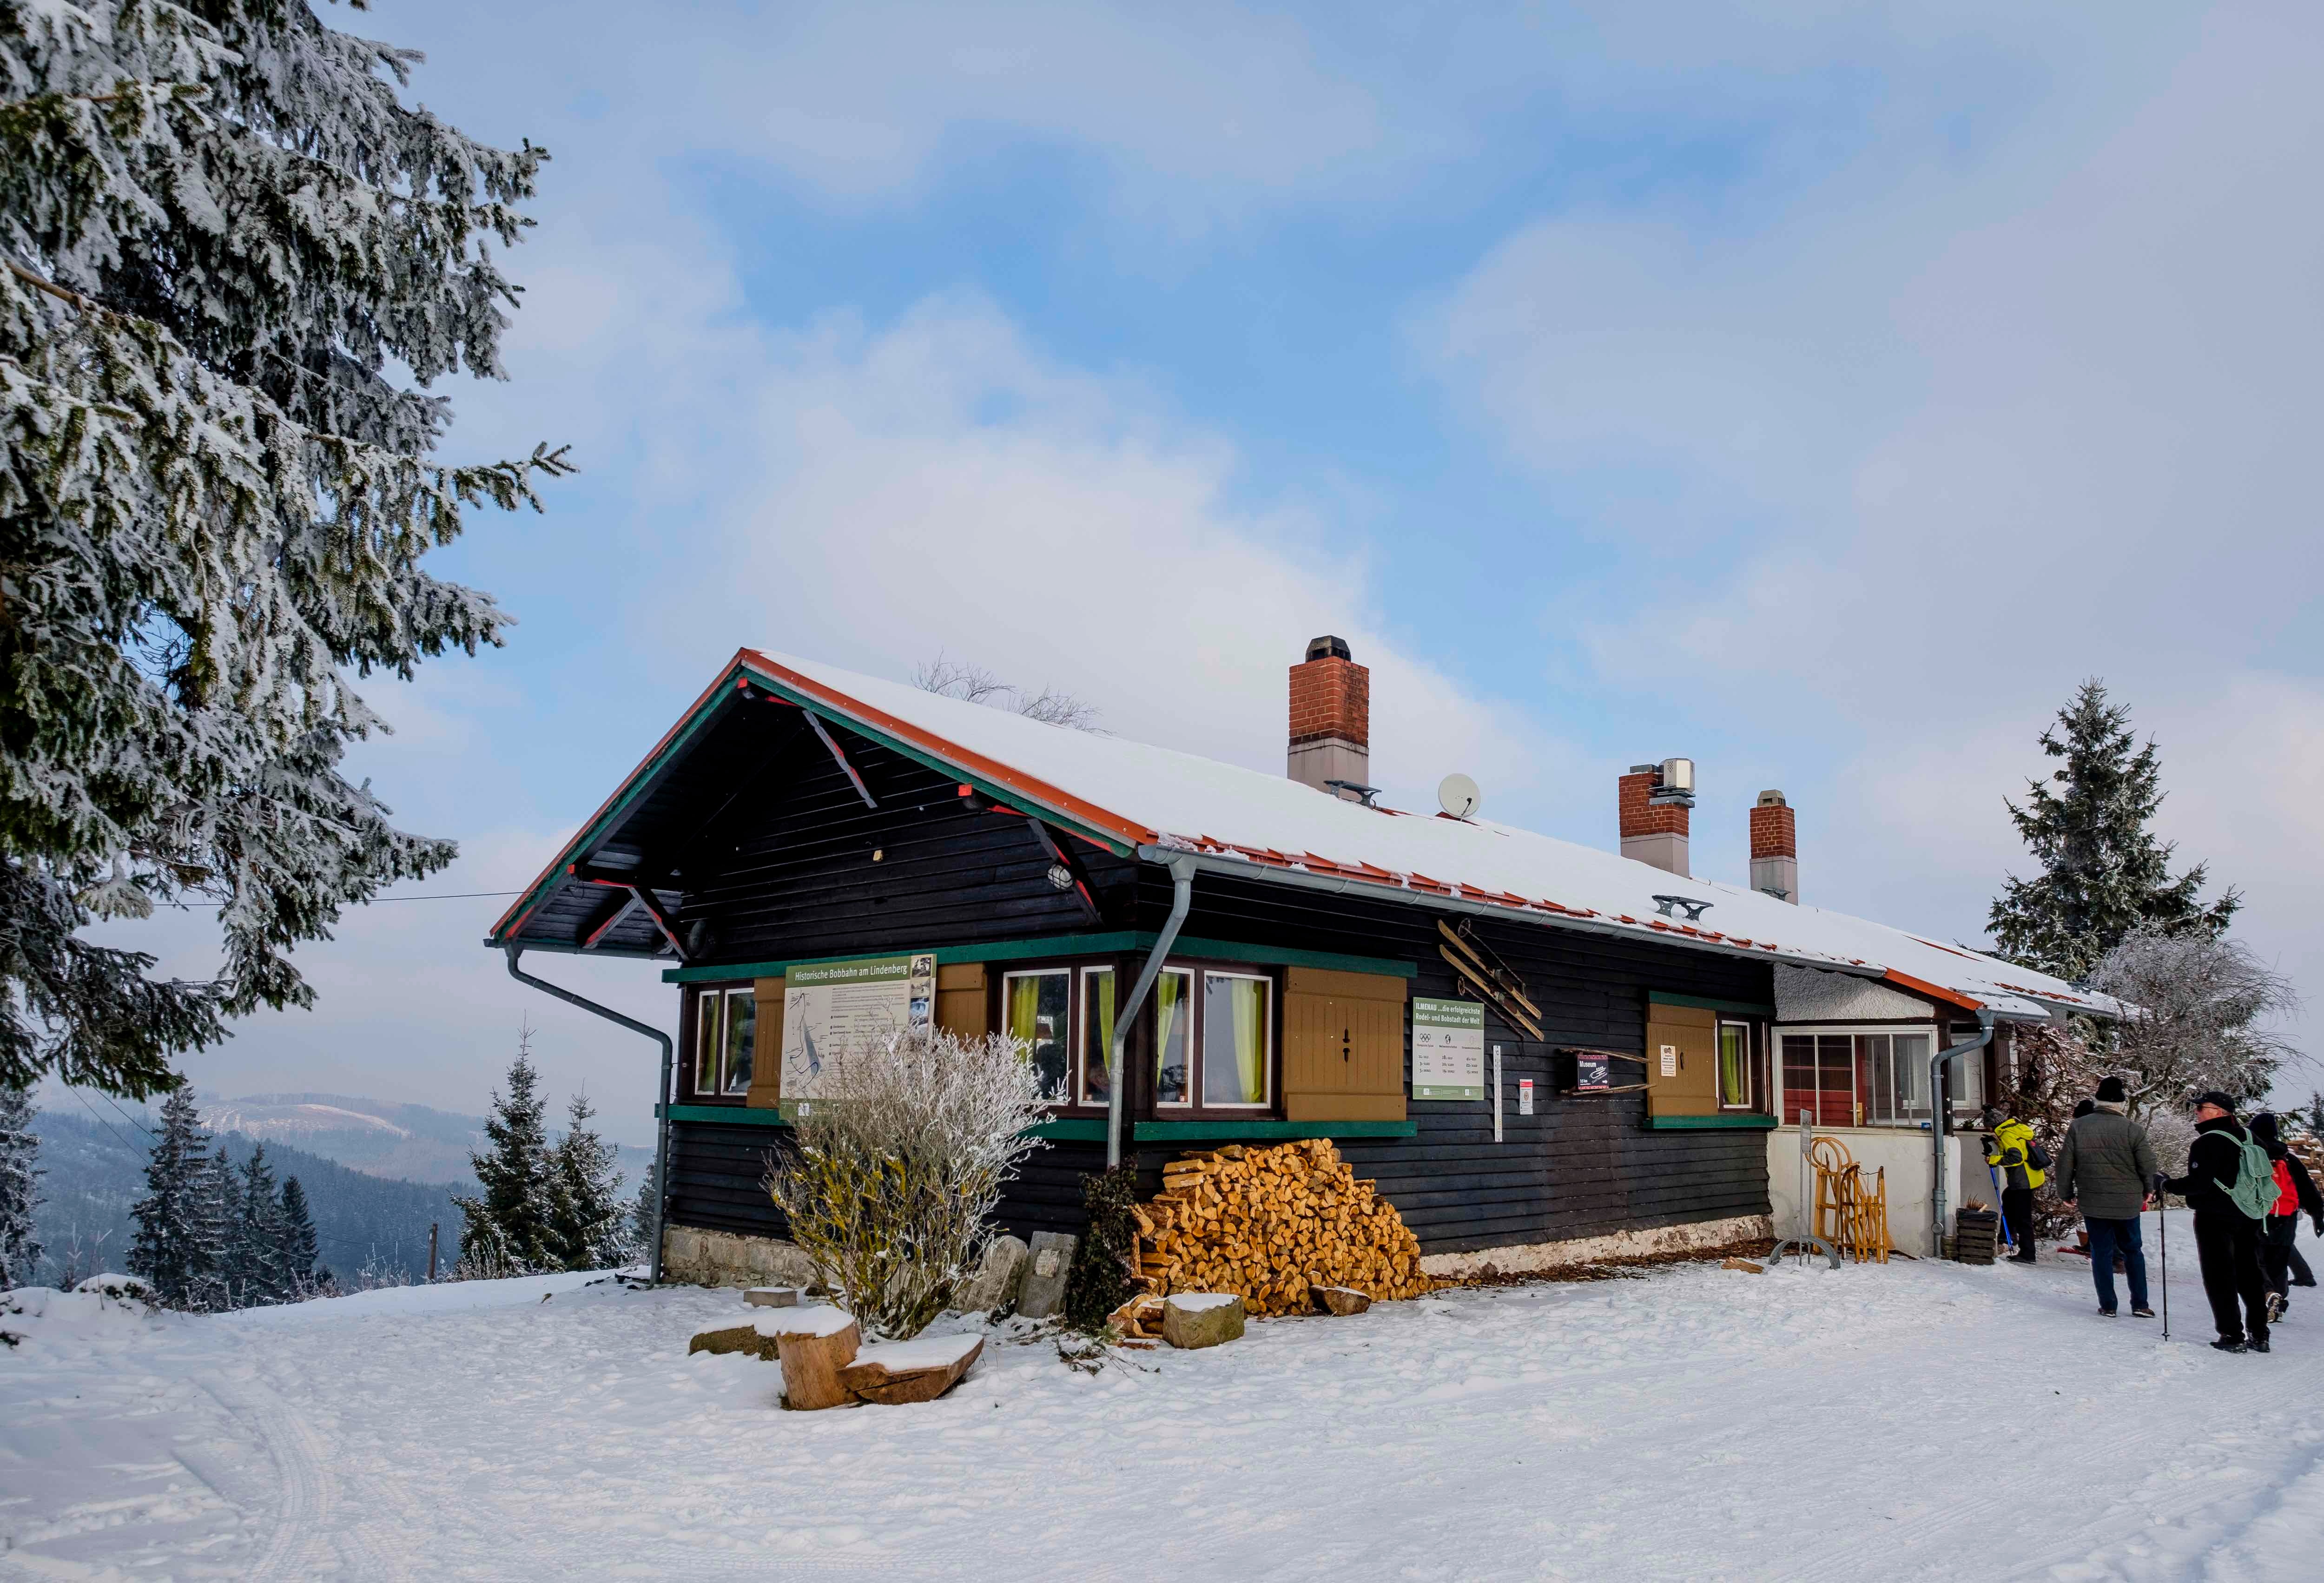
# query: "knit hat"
2084,1108
2219,1096
2263,1129
2110,1091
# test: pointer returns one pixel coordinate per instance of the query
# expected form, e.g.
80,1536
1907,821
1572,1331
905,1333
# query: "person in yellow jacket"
2009,1147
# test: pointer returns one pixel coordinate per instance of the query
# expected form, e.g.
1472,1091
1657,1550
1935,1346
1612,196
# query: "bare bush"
898,1163
2198,1003
973,684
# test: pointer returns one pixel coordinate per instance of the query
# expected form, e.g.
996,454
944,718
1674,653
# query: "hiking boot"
2230,1344
2022,1258
2106,1313
2142,1313
2256,1344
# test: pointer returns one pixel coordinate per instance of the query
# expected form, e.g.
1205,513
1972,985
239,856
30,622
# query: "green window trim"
1118,943
1077,1130
1703,1003
1753,1122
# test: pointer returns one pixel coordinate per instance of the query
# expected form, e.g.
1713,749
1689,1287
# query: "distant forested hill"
95,1169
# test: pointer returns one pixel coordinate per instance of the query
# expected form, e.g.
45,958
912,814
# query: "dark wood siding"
1578,1167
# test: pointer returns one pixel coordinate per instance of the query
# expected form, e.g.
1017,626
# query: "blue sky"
1819,391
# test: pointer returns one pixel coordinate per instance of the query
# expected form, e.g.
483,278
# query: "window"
1899,1088
1174,1037
1236,1036
1737,1073
1819,1077
1033,1007
1097,1035
1857,1079
725,1042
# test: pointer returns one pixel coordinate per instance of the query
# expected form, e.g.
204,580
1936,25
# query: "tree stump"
1201,1318
894,1372
815,1344
744,1338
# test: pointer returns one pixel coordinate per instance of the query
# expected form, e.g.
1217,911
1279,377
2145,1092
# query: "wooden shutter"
1682,1060
962,1005
1342,1045
767,1059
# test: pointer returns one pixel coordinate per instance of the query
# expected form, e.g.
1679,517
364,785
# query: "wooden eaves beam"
645,899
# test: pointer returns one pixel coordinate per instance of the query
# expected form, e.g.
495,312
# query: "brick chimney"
1332,722
1654,800
1774,848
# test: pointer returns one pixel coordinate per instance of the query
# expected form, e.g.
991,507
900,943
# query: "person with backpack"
2009,1144
2105,1169
2295,1195
2230,1184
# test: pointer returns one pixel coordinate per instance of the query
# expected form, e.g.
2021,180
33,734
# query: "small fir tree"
177,1246
2104,874
257,1266
232,262
20,1176
646,1210
216,1207
298,1248
587,1229
506,1230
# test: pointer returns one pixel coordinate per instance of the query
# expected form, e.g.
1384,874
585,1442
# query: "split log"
745,1338
894,1372
1340,1300
815,1344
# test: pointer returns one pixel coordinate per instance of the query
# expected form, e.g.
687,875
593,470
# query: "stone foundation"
723,1258
1662,1242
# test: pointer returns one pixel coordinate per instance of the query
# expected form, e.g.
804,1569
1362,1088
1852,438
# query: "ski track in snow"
1917,1422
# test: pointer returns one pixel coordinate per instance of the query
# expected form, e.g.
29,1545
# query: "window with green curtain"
742,1039
1174,996
1036,1006
706,1042
1097,1034
1734,1066
1234,1039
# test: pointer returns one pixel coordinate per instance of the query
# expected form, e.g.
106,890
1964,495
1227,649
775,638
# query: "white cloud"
1948,438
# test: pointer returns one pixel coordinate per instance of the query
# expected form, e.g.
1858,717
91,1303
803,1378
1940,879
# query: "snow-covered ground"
1920,1420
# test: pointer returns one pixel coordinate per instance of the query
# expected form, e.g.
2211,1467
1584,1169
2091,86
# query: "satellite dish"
1458,796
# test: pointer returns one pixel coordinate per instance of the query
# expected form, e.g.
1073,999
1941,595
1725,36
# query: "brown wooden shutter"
963,1008
1342,1045
767,1059
1690,1037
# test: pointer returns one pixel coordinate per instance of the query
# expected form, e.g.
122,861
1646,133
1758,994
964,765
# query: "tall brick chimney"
1774,848
1332,722
1653,801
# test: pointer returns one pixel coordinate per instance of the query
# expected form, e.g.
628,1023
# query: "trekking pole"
2005,1235
2162,1229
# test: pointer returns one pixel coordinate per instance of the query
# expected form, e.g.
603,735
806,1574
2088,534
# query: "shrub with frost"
898,1164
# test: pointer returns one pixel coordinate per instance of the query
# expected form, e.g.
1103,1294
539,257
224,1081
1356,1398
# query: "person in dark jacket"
2227,1240
2104,1171
2297,1196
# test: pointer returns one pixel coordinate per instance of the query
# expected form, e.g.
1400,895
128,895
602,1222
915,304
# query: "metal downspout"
661,1107
1937,1113
1182,889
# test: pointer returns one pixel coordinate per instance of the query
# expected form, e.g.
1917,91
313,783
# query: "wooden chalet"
1538,1050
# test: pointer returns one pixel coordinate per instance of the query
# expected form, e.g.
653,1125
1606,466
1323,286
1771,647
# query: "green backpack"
2255,1190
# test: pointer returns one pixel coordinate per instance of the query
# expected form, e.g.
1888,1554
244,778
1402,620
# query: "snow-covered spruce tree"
221,233
2104,874
898,1166
588,1227
177,1246
507,1228
257,1268
298,1250
20,1181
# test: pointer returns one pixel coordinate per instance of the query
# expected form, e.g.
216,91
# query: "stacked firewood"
1274,1225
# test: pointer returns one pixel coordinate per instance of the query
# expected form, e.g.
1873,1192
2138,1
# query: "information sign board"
1448,1049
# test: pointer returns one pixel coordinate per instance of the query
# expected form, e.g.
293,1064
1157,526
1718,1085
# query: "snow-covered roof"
1163,802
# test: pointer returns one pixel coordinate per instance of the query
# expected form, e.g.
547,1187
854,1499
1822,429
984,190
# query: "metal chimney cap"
1772,798
1678,775
1328,648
